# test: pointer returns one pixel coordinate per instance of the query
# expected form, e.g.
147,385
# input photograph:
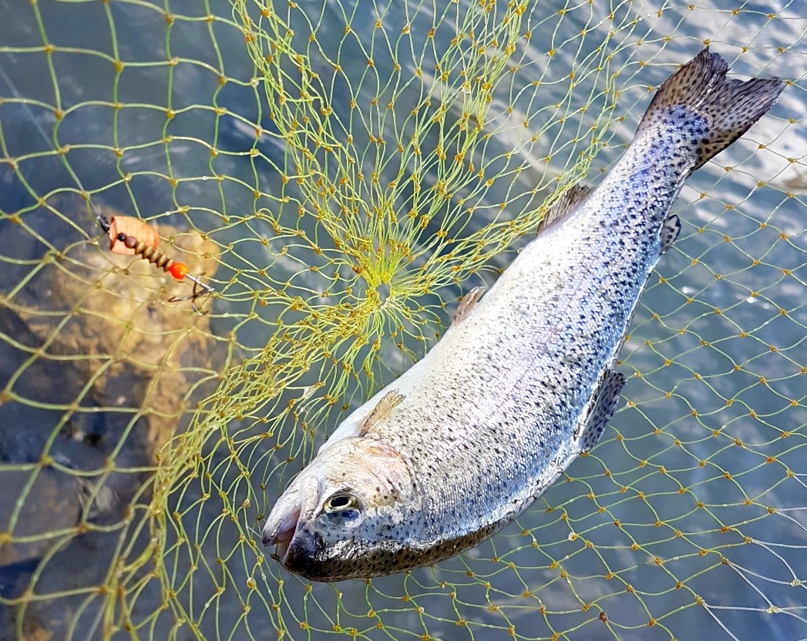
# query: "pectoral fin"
388,402
607,397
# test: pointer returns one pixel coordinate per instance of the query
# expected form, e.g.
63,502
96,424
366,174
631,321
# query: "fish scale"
523,380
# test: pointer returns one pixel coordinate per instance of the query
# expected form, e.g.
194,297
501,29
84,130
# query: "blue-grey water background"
700,377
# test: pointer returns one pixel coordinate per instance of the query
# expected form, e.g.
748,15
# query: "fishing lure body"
130,236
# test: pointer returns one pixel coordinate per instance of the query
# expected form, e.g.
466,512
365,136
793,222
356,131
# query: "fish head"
347,514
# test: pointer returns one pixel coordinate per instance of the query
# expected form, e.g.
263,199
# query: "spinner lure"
132,237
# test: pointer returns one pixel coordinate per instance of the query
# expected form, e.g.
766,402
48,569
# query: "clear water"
655,336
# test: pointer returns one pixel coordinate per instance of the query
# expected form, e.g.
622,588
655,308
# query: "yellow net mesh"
341,172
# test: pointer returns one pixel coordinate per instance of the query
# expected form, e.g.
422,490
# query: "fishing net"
341,173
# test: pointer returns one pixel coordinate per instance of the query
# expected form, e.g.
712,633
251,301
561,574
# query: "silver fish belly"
522,382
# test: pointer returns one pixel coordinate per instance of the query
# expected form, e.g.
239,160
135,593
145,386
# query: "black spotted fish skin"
522,382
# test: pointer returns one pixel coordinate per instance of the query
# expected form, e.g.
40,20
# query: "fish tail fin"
724,109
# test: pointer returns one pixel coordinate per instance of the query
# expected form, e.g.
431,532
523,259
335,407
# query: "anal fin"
669,232
565,205
602,411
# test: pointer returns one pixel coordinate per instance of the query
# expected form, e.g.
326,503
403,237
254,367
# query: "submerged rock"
101,372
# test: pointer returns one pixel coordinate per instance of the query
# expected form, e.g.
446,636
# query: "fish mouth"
280,531
299,500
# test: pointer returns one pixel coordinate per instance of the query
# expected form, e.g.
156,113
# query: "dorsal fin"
388,402
607,397
564,206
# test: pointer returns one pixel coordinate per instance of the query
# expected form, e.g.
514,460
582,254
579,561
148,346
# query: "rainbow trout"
523,380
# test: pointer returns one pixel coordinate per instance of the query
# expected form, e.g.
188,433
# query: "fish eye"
340,502
343,508
337,502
